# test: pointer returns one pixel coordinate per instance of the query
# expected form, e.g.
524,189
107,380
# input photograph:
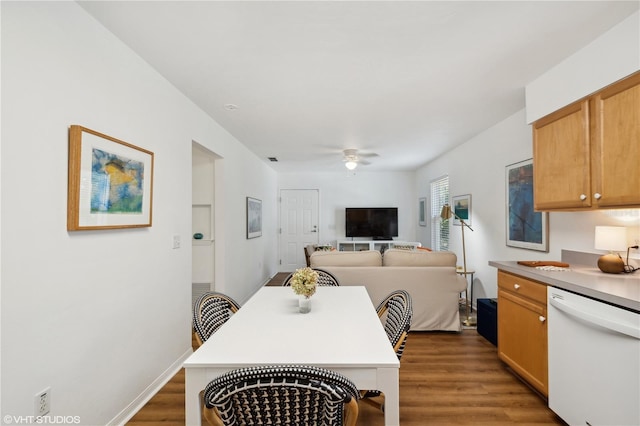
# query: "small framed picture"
422,205
461,206
254,217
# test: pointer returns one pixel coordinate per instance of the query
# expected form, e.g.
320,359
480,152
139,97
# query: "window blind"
439,228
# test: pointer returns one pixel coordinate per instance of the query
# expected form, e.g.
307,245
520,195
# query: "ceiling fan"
352,158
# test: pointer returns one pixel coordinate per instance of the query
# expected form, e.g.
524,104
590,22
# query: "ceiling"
406,80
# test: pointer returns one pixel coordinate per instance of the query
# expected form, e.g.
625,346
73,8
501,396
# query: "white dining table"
342,333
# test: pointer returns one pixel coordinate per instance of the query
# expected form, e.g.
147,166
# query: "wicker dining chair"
396,312
281,395
325,278
210,312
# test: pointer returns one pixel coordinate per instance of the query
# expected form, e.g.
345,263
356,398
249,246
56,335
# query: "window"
439,228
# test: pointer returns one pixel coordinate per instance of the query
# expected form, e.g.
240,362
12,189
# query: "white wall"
612,56
342,189
478,168
100,315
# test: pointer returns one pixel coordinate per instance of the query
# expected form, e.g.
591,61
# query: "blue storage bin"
488,319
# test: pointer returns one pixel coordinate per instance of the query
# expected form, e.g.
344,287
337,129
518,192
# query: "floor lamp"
445,214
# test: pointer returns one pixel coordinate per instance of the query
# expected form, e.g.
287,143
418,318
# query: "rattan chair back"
397,311
210,312
281,395
325,278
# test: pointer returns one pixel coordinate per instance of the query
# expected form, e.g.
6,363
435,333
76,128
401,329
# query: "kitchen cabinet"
522,328
586,155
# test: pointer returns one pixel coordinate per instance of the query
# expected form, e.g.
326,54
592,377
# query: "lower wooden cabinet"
522,328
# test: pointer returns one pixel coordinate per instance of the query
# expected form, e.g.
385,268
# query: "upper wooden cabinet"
587,154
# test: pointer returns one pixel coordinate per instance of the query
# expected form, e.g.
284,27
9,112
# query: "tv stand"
380,245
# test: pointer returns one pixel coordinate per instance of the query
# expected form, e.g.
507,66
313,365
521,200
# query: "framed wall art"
254,217
422,205
461,205
526,228
110,182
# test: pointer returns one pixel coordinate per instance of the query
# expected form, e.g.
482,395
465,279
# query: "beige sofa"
430,278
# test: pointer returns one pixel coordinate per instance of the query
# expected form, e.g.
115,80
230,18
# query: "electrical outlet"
43,402
176,241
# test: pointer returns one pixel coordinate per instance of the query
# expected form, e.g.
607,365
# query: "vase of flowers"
304,283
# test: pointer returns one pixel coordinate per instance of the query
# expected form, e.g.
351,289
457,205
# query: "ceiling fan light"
351,165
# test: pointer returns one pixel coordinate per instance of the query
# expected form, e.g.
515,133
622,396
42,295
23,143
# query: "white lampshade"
351,165
612,238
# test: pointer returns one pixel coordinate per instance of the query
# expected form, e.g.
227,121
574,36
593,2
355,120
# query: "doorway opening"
203,207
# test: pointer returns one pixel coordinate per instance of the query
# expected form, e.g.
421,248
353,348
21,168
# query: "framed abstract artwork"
422,205
526,228
461,205
110,182
254,217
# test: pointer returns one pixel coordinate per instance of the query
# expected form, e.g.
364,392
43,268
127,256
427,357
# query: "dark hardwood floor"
445,379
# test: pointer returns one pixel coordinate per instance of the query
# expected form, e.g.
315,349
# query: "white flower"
304,282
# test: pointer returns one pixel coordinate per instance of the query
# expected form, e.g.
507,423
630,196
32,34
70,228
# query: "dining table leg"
389,384
194,382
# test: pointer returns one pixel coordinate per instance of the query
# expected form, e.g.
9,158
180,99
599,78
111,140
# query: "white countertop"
618,289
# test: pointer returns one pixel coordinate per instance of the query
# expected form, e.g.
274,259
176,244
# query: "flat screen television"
378,223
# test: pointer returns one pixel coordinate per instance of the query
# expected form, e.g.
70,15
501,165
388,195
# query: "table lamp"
612,238
445,214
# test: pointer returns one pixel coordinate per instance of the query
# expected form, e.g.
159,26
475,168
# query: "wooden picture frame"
461,206
525,228
422,206
110,182
254,218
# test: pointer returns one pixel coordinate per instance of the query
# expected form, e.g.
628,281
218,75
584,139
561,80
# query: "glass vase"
304,304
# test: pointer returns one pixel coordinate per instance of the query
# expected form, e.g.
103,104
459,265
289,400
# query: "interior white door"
298,226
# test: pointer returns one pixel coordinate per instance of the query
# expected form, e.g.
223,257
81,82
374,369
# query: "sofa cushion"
395,257
346,258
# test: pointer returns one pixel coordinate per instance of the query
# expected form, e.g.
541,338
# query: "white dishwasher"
594,361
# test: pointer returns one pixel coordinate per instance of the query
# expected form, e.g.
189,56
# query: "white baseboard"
130,410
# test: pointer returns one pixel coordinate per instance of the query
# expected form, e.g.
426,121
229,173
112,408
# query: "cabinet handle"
542,319
583,197
516,286
597,195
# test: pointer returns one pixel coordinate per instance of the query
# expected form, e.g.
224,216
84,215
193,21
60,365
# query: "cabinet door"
616,144
522,338
561,159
